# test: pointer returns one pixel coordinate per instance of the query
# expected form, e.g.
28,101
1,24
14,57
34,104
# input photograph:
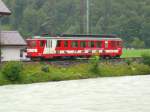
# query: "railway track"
69,62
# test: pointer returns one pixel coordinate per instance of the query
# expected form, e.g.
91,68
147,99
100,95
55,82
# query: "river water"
121,94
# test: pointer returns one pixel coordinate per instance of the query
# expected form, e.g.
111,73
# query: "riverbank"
24,73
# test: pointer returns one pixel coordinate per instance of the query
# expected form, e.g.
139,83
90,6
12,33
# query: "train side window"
65,43
83,44
74,44
98,44
113,44
32,44
91,44
119,43
42,43
59,43
116,43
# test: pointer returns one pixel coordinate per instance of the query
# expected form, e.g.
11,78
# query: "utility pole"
84,16
82,12
87,16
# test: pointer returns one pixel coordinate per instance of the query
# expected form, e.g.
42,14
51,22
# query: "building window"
21,53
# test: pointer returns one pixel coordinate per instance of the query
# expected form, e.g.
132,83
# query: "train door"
41,46
106,44
107,48
47,49
53,46
50,47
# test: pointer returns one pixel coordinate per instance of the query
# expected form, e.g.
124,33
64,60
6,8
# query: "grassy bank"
40,72
134,52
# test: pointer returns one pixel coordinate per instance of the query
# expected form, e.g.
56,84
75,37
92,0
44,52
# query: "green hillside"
130,19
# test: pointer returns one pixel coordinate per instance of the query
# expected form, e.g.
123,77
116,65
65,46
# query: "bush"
128,61
94,61
45,68
12,71
3,80
146,59
35,77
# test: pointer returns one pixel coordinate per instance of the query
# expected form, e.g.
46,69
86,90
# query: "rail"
69,62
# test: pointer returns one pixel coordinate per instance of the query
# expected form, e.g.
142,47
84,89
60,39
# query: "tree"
127,18
137,43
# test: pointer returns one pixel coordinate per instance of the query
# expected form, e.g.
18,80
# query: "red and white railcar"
74,46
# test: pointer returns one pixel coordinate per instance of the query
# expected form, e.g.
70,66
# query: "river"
120,94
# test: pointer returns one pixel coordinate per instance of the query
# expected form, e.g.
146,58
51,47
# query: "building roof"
12,38
3,9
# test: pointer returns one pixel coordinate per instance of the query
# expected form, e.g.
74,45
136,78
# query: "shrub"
94,61
3,81
128,61
45,68
35,77
140,69
146,59
12,71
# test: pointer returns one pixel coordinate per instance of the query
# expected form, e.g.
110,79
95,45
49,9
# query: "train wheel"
106,57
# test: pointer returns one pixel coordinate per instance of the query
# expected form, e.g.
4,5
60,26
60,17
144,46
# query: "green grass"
134,52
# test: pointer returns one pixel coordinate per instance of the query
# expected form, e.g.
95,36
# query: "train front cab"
112,48
35,48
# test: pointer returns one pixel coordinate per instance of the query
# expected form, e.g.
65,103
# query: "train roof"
72,38
89,35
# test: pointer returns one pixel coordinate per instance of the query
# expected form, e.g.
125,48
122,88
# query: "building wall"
11,53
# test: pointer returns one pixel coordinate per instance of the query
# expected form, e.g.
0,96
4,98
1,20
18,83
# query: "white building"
12,44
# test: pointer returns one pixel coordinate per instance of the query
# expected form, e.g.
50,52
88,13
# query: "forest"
129,19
